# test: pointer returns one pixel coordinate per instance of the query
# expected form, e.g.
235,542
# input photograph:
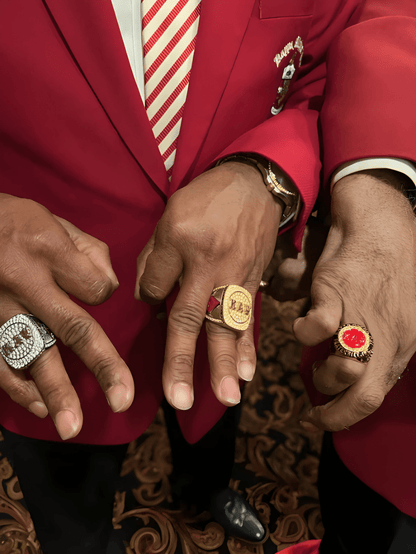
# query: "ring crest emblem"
354,341
23,338
231,307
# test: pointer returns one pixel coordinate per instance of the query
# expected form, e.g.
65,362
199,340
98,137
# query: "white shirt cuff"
395,164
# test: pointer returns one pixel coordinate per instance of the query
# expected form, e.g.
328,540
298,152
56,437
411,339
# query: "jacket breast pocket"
270,9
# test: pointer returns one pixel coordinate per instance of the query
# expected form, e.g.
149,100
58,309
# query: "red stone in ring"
212,303
354,338
354,341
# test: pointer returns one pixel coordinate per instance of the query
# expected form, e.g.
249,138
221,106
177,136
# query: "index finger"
184,325
352,405
80,332
58,393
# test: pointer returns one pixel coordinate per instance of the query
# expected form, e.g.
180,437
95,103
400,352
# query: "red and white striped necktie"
169,29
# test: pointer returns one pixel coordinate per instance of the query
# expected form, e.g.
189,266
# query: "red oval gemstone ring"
353,341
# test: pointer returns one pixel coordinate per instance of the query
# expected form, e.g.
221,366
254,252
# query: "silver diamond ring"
23,338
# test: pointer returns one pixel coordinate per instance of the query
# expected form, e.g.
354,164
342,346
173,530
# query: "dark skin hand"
365,276
43,259
220,229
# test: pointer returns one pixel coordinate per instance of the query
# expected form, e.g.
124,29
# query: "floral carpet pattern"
276,468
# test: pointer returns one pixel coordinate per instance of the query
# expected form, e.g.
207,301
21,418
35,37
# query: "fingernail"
66,424
230,391
181,396
38,409
308,426
118,397
246,371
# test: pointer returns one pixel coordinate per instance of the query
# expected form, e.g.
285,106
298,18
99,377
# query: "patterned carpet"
276,469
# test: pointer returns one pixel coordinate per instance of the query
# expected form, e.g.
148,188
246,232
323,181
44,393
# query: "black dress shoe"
236,516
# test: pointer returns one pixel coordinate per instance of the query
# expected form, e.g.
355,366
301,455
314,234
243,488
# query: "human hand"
289,274
365,276
220,229
43,259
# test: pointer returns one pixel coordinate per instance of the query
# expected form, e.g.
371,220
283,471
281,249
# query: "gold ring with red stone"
230,306
354,341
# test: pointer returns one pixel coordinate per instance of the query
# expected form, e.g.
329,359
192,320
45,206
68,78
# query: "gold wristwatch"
276,184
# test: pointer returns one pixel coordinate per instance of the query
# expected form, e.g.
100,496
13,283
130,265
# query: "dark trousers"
69,488
357,520
69,491
203,468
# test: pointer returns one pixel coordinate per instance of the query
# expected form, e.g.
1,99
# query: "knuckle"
12,225
54,395
368,403
217,332
99,246
394,372
151,293
104,369
19,391
100,290
48,242
219,245
327,323
13,274
181,361
225,360
103,246
185,320
78,333
105,249
251,284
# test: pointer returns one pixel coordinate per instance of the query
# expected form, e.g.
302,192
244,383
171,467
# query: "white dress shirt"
129,17
396,164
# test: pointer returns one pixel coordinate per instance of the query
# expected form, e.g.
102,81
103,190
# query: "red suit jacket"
370,111
75,138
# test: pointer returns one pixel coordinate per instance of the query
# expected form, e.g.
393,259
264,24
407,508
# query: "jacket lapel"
89,27
221,30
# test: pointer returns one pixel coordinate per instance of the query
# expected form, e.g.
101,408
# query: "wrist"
369,195
252,176
276,181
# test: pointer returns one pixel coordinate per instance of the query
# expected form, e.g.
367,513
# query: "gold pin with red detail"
354,341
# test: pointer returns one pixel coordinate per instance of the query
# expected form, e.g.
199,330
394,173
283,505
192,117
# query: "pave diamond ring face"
230,306
23,338
353,341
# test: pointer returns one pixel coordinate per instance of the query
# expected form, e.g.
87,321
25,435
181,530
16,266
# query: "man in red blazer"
77,152
366,277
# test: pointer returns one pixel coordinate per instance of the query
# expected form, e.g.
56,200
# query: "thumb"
96,250
323,318
141,263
